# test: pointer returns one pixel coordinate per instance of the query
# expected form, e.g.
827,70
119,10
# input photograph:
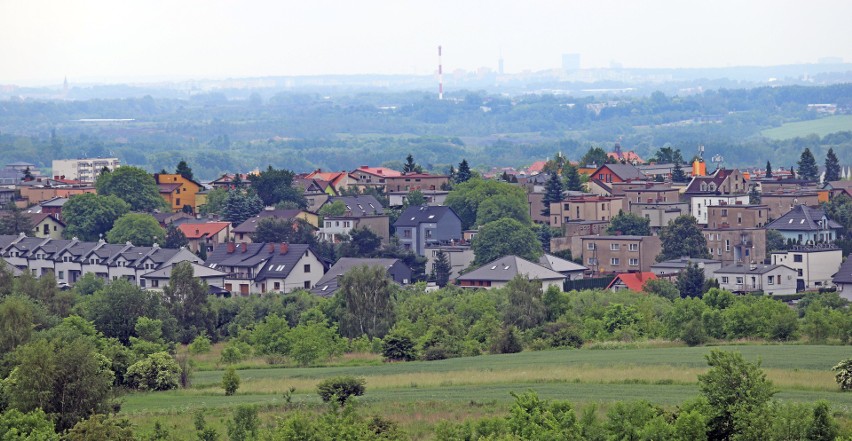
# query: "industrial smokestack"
440,76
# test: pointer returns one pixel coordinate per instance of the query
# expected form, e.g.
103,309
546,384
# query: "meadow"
820,126
418,395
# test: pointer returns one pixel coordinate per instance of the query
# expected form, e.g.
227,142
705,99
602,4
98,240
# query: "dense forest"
307,131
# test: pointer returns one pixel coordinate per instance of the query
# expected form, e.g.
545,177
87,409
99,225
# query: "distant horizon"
161,79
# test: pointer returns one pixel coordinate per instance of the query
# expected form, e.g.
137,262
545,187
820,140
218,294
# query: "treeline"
304,131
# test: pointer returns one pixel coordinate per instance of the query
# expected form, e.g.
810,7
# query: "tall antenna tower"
440,76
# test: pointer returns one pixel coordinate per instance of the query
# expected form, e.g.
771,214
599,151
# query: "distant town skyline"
41,41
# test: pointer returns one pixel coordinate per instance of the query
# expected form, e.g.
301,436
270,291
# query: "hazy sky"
118,40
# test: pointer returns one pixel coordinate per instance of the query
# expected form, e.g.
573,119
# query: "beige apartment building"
600,208
781,202
616,254
737,216
85,170
736,245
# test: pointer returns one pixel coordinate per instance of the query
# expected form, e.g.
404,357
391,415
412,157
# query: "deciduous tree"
682,237
89,217
137,228
132,185
505,237
365,294
629,224
276,186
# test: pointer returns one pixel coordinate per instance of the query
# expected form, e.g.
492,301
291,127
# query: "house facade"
258,268
397,271
498,273
459,256
418,227
178,191
815,265
781,203
599,208
205,235
769,279
736,245
85,170
415,181
806,225
737,216
616,254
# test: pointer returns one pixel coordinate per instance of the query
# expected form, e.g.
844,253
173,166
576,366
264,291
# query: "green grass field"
821,126
419,394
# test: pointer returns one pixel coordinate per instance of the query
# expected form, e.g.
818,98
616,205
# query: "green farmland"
821,127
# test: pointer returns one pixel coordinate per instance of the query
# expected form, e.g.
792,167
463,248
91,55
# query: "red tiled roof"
536,166
633,281
197,231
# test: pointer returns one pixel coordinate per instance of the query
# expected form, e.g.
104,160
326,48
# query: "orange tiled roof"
633,281
197,231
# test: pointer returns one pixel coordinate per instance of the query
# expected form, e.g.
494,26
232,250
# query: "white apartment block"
85,170
815,265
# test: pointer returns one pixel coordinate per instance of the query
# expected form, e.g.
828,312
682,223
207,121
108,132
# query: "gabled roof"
15,270
55,202
199,230
682,262
536,167
844,274
506,268
359,206
168,188
624,171
328,284
199,271
803,218
250,225
559,265
378,171
37,218
717,178
334,178
279,266
414,216
633,281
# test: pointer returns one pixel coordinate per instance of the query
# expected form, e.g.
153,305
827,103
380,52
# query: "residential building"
736,245
616,254
244,231
7,195
459,256
406,182
773,185
398,272
418,227
159,279
498,273
85,170
737,216
178,191
673,267
258,268
769,279
815,265
806,225
372,177
699,204
649,193
229,181
338,181
782,202
569,269
46,225
609,173
170,218
207,235
361,212
658,171
69,260
40,194
630,281
659,214
576,228
843,280
585,208
721,182
433,197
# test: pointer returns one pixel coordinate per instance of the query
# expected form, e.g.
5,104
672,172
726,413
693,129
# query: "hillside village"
605,226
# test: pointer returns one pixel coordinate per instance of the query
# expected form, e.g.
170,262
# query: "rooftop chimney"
232,247
245,247
271,248
284,247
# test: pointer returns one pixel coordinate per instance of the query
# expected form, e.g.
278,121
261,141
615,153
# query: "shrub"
436,353
230,381
235,352
101,427
844,374
158,371
693,333
245,424
340,388
508,342
398,346
201,345
563,335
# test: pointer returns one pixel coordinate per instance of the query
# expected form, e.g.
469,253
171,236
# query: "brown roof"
168,188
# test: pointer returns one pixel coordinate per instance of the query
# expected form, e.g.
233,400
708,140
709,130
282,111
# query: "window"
727,245
615,261
797,257
633,247
739,280
593,261
277,286
428,234
307,284
634,262
771,280
725,279
328,224
61,275
614,246
406,233
307,268
155,283
177,201
800,272
590,246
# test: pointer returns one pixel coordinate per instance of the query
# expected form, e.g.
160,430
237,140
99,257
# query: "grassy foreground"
417,395
821,127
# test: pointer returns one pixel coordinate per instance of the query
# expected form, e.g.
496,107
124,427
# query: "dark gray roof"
844,274
803,218
626,171
275,264
682,262
506,268
199,271
414,216
559,265
250,225
749,269
359,206
280,265
328,284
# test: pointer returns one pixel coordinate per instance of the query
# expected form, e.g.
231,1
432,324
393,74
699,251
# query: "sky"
43,41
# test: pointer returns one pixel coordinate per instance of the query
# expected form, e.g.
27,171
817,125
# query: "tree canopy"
832,166
807,165
465,199
505,237
284,230
276,186
240,205
137,228
90,216
132,185
682,237
629,224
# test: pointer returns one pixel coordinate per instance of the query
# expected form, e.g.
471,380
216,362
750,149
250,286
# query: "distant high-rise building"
500,66
570,61
85,170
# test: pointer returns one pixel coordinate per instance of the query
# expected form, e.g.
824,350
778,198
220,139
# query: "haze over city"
104,41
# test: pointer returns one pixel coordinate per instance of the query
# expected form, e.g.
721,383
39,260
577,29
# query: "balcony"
239,276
